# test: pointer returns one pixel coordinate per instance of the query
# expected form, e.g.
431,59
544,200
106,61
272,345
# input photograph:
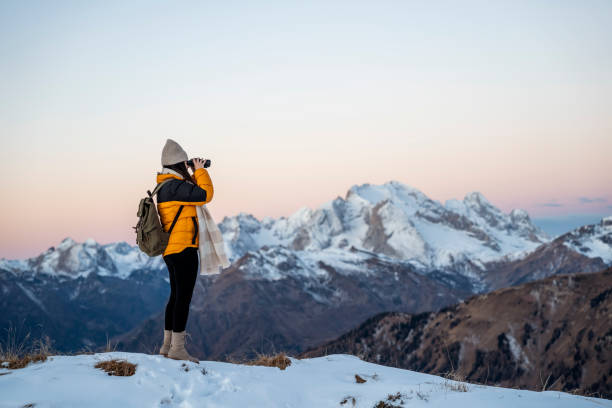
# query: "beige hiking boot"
177,348
166,346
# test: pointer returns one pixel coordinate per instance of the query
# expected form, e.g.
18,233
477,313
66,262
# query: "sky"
295,102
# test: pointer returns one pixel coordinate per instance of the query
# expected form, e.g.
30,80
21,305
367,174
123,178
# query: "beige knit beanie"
173,153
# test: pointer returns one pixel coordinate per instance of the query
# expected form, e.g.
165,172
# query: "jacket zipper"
195,234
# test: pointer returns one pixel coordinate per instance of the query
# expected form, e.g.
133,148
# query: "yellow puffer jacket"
176,193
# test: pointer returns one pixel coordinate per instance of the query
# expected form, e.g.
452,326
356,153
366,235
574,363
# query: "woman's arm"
187,193
204,182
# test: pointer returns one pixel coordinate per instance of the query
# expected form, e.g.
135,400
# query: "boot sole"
183,359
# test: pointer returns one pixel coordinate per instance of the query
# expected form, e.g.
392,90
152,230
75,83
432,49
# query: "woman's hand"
197,164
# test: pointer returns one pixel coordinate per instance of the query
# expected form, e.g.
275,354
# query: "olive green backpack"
150,235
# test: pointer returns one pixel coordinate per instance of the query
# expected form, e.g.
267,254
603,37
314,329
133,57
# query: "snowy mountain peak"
477,199
478,204
90,242
395,220
241,220
71,259
66,243
302,214
121,248
592,240
392,190
518,214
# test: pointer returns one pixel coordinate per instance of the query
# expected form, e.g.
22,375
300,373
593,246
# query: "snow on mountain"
592,240
72,260
328,381
277,262
393,220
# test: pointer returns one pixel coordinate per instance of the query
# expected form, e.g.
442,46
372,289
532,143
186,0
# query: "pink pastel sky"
295,104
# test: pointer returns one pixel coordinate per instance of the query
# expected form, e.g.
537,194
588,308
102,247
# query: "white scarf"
211,248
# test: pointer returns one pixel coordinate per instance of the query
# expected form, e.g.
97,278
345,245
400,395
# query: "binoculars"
206,162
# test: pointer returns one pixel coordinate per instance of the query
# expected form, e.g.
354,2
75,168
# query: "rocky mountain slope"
273,300
554,334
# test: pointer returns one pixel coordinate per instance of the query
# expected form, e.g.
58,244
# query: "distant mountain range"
554,334
295,282
72,260
80,294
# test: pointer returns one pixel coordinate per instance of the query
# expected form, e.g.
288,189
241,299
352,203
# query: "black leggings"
183,271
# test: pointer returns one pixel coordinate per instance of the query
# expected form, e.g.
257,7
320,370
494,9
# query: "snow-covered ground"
72,381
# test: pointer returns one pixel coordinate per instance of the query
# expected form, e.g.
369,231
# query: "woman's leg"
168,321
185,274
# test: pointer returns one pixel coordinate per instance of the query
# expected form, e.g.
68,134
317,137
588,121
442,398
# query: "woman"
176,204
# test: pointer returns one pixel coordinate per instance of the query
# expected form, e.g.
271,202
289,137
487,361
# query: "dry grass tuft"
109,346
456,386
385,404
348,399
423,396
23,361
14,356
359,379
118,367
279,360
393,401
455,381
394,397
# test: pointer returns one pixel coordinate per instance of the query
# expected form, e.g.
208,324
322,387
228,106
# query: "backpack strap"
156,189
151,194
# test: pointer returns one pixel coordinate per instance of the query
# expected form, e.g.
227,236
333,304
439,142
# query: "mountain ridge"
392,219
557,327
